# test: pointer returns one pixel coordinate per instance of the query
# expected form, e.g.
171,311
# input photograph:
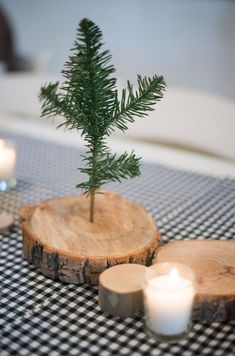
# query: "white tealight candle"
168,300
7,165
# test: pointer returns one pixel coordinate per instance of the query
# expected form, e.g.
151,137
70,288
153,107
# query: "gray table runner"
43,317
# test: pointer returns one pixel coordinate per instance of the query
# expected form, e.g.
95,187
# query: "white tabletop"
189,118
154,153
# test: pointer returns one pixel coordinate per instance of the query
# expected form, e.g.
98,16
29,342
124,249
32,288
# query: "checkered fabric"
43,317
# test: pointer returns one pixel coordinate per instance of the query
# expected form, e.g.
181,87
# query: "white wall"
190,42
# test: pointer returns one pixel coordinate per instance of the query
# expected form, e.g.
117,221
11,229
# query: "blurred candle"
7,165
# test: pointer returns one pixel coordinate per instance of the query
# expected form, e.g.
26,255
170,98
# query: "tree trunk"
214,264
61,241
92,206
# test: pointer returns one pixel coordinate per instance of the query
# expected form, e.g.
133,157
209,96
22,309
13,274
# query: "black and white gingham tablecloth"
43,317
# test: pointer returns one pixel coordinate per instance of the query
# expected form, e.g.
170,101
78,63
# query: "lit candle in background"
168,297
7,165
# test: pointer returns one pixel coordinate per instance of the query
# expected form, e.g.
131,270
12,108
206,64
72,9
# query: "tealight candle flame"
174,276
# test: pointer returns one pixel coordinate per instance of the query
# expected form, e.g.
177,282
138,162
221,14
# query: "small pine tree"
88,100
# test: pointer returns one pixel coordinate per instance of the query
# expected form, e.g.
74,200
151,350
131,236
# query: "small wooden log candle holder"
120,289
6,220
60,240
213,261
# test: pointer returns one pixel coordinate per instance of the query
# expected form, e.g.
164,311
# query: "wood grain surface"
213,261
60,240
121,289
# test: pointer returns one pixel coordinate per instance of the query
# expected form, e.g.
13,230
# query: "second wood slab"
213,261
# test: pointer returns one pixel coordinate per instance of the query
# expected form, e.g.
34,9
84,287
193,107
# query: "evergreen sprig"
88,100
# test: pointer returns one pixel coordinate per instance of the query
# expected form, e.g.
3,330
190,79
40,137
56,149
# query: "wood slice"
60,240
213,261
6,220
120,289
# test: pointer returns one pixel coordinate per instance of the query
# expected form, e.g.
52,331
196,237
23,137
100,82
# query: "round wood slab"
213,261
120,289
60,240
6,220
